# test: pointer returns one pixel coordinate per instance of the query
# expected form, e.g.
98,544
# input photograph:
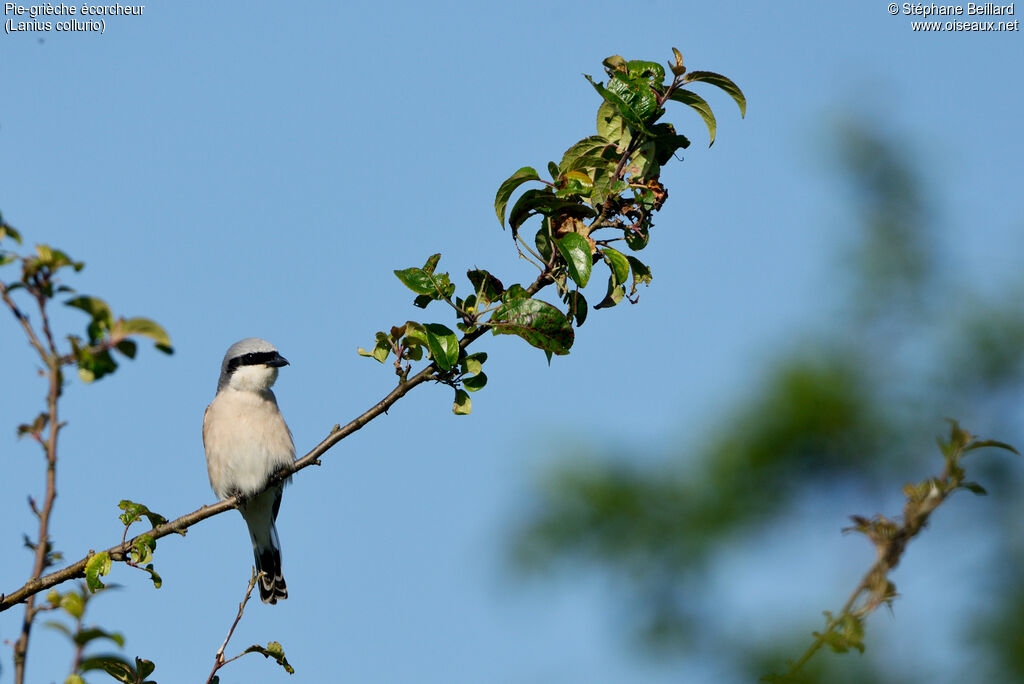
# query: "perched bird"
247,441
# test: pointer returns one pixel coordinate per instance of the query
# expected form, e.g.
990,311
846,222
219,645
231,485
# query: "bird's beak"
277,361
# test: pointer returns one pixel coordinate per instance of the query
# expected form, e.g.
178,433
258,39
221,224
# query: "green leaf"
145,667
641,272
475,383
577,306
432,262
154,577
545,202
553,170
97,565
974,487
649,70
142,548
514,292
133,512
8,231
116,666
611,126
614,63
543,241
74,679
94,306
147,328
700,105
616,291
474,363
486,287
539,323
59,627
73,603
677,64
529,205
443,345
275,652
580,177
417,280
982,443
644,164
633,98
506,189
463,405
84,636
667,141
722,82
637,239
427,284
587,153
618,264
380,351
575,249
127,347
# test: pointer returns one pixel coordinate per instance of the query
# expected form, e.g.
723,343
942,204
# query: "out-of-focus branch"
890,538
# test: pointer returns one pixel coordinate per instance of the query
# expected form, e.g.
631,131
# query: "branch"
23,319
846,630
50,357
120,552
218,660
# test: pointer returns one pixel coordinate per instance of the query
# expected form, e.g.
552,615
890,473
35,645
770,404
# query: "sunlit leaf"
273,651
699,105
575,250
618,264
539,323
147,328
463,405
722,82
443,345
506,189
97,565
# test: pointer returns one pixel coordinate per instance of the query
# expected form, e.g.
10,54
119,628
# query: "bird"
247,441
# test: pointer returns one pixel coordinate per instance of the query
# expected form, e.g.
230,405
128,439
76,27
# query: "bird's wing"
206,414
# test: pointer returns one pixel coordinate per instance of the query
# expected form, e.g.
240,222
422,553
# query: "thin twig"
218,660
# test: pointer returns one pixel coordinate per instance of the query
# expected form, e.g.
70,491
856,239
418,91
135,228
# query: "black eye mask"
271,358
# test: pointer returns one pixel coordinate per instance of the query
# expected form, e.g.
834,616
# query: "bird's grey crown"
239,349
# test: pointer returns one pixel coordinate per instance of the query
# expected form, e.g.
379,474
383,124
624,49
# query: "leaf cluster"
605,190
73,604
105,333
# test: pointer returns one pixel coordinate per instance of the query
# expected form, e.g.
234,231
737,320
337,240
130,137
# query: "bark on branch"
120,551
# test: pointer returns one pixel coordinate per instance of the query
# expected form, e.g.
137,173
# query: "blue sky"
241,169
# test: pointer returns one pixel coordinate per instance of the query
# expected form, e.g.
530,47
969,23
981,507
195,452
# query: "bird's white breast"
246,441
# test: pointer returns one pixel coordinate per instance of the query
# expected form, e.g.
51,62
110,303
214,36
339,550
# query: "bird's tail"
268,569
259,513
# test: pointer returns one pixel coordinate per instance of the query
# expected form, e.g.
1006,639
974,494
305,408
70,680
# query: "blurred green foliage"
852,408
